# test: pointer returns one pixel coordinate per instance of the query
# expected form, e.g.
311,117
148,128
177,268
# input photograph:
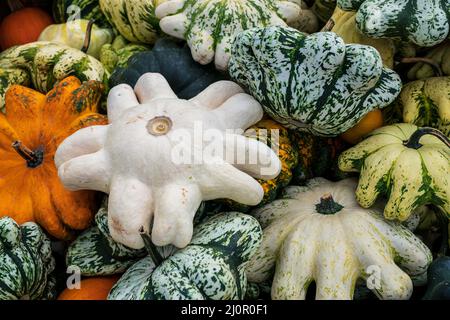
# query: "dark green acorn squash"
438,280
186,77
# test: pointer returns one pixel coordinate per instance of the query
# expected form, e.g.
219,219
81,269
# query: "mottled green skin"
47,63
212,266
210,26
88,9
117,54
314,83
425,23
26,262
95,253
8,76
135,20
408,177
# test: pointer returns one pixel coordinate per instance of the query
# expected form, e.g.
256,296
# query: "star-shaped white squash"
137,157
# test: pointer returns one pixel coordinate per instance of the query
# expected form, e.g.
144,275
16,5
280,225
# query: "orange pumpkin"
371,121
90,289
33,127
23,25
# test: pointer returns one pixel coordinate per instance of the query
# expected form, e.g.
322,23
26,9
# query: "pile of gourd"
349,197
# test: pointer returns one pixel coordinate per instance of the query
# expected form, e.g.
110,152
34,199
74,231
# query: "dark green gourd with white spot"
315,83
26,262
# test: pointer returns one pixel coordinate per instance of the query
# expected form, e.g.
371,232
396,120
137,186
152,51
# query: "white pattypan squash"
320,233
138,157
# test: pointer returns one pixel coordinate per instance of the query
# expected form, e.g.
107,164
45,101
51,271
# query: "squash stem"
87,37
33,158
327,205
414,143
328,26
431,62
151,248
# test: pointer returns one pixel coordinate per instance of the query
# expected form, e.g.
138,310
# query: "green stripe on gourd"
95,253
425,23
314,83
45,64
210,26
426,103
135,20
407,164
26,262
212,266
64,10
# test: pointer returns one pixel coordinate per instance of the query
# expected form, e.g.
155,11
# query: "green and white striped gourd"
95,253
212,266
26,262
210,26
314,83
135,20
407,164
67,10
319,233
425,23
46,63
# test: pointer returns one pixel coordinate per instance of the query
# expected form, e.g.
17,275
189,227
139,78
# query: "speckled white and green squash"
26,262
426,103
46,63
212,266
210,26
319,233
425,23
10,76
135,20
408,165
95,253
314,83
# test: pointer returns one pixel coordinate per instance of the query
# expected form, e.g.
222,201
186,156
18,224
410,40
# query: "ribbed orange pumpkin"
33,127
90,289
22,26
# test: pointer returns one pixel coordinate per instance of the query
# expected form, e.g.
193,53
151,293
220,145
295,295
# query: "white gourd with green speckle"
315,83
212,266
210,26
407,164
425,23
319,233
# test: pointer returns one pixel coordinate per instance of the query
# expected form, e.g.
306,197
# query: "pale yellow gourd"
73,33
